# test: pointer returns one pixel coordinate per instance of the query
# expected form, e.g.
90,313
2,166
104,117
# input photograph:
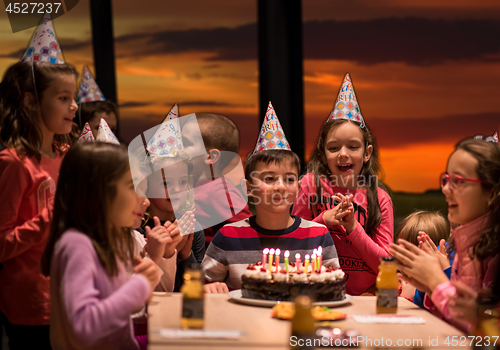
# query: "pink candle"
277,262
297,261
264,255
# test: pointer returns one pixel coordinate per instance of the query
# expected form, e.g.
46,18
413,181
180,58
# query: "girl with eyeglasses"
471,185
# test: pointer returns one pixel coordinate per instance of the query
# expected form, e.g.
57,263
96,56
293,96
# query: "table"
266,333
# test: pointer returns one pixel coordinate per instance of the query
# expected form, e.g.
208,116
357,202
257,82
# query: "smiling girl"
35,120
471,185
341,190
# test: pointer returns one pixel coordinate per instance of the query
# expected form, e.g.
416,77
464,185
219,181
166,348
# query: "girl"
341,191
89,248
472,188
170,191
37,108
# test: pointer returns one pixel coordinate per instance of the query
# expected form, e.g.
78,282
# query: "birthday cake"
325,284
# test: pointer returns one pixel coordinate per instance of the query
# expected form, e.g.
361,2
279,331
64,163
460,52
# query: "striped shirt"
241,243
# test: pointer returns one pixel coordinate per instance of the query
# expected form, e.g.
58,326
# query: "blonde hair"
432,223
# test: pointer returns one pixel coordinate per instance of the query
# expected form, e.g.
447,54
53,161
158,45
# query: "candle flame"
287,253
297,256
307,256
278,251
266,251
271,251
320,250
313,256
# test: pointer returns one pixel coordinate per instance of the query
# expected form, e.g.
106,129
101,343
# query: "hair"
276,156
157,162
219,132
432,223
85,192
88,110
487,155
19,125
319,168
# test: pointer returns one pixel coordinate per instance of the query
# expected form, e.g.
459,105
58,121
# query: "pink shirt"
358,253
90,309
26,195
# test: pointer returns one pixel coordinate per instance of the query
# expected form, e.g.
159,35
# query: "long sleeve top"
90,308
473,272
26,202
359,254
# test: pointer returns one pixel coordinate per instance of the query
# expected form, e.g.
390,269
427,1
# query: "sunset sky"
426,72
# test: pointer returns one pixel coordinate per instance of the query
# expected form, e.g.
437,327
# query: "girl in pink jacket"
472,188
341,191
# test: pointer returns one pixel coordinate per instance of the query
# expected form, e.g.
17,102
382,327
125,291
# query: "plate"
236,296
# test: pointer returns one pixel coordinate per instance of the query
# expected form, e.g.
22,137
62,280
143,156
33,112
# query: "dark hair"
18,124
319,168
487,155
85,192
276,156
432,223
88,111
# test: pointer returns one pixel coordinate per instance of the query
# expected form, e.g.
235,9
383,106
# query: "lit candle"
271,254
306,263
297,262
278,252
320,252
264,254
287,254
313,262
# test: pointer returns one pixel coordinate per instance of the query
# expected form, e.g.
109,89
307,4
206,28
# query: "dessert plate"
237,297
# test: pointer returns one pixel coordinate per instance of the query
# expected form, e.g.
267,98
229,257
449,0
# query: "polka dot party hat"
88,90
271,134
167,140
104,133
43,46
87,134
346,105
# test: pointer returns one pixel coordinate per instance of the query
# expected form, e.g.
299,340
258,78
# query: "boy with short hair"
212,141
271,174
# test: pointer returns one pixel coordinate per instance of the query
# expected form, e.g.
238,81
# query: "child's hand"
464,304
148,269
174,231
426,243
336,215
184,247
186,223
216,288
418,265
158,238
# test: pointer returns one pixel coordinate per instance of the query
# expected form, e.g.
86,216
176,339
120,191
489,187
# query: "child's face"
110,118
123,208
58,106
273,187
345,154
173,186
468,201
194,146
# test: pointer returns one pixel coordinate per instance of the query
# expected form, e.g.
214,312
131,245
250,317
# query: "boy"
271,174
212,141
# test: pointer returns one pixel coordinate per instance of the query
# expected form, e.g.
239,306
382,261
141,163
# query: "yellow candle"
271,254
306,263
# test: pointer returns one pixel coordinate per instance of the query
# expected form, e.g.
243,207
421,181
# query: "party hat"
167,140
88,91
346,106
87,134
495,137
105,134
44,46
271,134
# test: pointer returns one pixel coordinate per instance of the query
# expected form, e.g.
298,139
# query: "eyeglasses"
454,180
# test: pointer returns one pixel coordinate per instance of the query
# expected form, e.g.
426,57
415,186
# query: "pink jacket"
358,253
474,273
